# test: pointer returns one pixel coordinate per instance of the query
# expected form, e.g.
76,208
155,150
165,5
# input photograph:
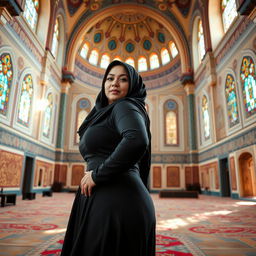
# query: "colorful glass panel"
48,116
82,110
231,98
154,61
84,51
56,38
130,61
31,12
94,57
6,76
171,122
228,8
165,56
25,101
248,77
206,117
173,49
200,40
142,64
104,61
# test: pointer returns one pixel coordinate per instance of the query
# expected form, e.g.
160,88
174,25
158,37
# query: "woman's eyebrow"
119,75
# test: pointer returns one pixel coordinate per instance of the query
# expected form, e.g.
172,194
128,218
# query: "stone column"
188,82
62,114
190,88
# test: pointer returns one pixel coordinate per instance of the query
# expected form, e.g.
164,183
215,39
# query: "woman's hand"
87,184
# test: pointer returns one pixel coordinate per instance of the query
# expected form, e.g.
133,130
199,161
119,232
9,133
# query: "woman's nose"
115,82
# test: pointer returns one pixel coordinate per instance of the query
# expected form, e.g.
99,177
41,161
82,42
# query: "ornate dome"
132,37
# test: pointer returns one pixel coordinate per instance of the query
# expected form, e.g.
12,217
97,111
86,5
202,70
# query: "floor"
212,226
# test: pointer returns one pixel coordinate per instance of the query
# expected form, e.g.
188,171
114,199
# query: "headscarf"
136,94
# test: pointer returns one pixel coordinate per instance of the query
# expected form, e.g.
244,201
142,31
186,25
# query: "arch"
83,27
62,39
44,20
247,175
215,23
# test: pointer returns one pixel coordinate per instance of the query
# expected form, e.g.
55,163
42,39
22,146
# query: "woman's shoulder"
125,105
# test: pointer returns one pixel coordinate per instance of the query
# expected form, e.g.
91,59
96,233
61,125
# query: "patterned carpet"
210,226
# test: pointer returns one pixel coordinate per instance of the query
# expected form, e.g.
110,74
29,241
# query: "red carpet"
185,227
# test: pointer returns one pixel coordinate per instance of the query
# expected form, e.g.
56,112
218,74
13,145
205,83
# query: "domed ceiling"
133,37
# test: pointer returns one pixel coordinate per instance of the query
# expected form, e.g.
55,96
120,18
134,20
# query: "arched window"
82,109
31,12
25,101
200,41
231,99
130,61
142,64
154,61
117,58
48,116
165,56
206,117
173,49
84,50
228,10
56,39
171,123
248,77
94,57
6,76
104,61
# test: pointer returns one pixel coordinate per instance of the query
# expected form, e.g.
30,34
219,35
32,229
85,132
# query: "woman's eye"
110,78
124,80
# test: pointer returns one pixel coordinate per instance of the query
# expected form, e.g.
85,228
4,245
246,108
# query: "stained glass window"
56,38
228,9
25,101
84,50
248,77
6,76
154,61
31,12
171,122
142,64
48,116
200,40
130,61
94,57
104,61
165,56
206,117
231,98
82,110
173,49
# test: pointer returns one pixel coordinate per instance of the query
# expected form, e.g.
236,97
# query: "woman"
113,214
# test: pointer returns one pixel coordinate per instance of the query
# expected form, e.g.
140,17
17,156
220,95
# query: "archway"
85,23
246,168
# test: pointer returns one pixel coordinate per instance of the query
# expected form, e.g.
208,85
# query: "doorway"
28,175
224,177
246,173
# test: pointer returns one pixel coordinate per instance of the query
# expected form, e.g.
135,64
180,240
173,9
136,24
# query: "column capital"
187,77
67,76
189,88
65,87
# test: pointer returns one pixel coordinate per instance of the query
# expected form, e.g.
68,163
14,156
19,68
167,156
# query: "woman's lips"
114,91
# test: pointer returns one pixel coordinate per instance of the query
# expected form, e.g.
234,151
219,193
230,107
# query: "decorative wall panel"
157,177
173,176
10,169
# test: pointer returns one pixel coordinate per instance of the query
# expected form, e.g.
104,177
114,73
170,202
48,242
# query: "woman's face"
117,84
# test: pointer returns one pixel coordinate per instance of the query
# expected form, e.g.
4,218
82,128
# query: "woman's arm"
130,124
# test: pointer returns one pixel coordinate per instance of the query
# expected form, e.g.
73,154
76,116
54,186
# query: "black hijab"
136,94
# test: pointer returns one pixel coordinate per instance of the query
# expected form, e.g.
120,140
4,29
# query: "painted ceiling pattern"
162,5
128,35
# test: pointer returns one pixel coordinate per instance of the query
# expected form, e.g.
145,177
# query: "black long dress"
118,219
